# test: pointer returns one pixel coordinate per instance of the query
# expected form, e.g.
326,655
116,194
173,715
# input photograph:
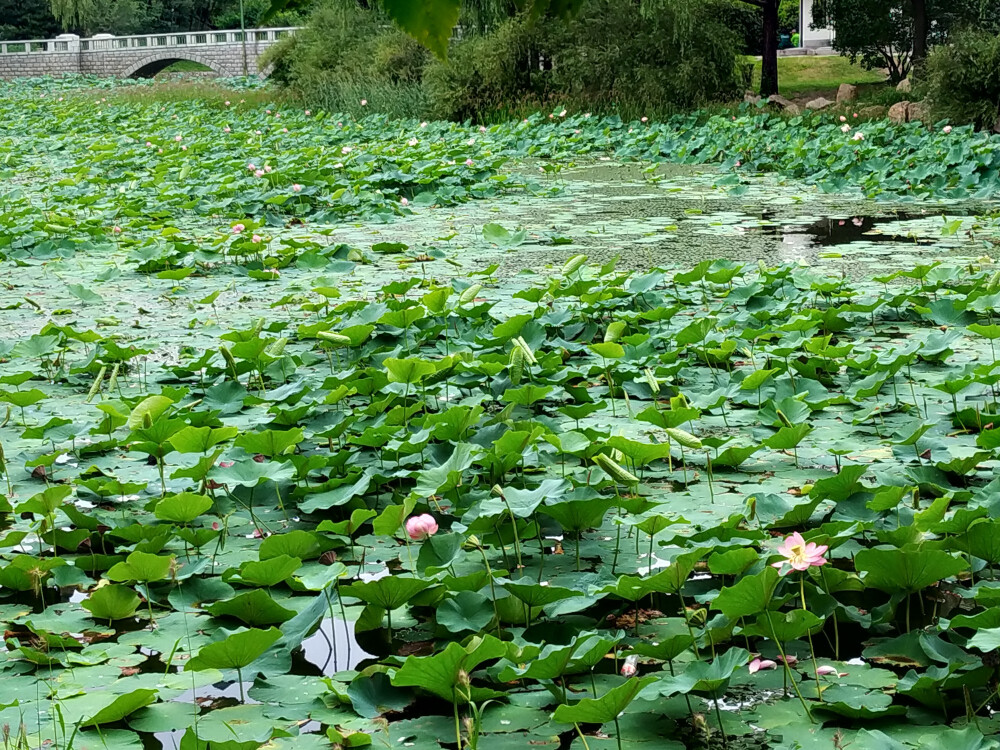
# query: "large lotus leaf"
254,608
141,566
388,592
374,695
748,596
605,708
439,674
265,573
235,651
115,602
182,508
448,475
906,570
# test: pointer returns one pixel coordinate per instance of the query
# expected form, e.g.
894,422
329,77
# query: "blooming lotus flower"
257,238
251,166
159,150
178,138
237,228
149,144
468,162
739,163
845,128
946,129
259,173
420,527
284,130
346,150
227,102
644,119
857,221
843,119
184,148
859,136
563,113
482,128
296,188
267,167
629,667
587,115
403,202
308,112
799,554
364,102
267,111
761,664
226,129
423,124
412,142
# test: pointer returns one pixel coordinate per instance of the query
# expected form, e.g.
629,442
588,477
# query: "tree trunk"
769,50
919,8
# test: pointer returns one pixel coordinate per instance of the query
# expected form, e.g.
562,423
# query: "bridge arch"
149,66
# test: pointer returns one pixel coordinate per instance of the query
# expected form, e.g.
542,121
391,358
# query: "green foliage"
963,79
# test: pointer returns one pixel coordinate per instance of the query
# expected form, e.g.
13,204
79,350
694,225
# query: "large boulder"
874,112
919,112
785,105
817,104
904,86
846,93
899,113
751,98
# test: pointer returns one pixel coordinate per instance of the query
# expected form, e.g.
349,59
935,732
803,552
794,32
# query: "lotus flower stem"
812,649
788,669
582,738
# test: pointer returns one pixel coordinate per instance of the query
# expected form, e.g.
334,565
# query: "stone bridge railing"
225,52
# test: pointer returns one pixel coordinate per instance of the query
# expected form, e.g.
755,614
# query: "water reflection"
333,647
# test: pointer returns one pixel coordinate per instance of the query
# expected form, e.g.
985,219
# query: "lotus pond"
566,433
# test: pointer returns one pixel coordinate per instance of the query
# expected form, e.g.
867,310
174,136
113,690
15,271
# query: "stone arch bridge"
227,53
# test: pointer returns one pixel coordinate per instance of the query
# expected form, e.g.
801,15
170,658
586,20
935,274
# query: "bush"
962,79
346,54
611,57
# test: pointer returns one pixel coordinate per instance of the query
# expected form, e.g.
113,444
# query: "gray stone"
817,104
846,93
899,113
785,105
874,112
919,112
904,86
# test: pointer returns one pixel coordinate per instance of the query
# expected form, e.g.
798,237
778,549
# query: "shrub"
962,79
610,57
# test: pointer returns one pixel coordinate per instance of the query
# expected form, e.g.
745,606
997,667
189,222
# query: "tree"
896,34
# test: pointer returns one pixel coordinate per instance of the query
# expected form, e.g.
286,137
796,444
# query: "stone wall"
225,59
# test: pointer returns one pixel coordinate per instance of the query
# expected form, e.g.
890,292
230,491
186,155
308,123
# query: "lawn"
814,74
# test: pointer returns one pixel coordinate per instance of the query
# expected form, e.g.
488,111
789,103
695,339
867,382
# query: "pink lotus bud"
237,228
296,188
420,527
116,229
404,202
468,162
946,129
259,173
308,113
178,138
251,166
257,238
149,144
629,667
267,167
226,129
644,119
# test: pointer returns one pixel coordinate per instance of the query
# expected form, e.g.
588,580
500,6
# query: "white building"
809,37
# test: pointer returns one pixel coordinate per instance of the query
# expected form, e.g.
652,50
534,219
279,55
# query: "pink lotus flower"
267,111
184,148
629,668
257,238
308,112
259,173
946,129
159,150
420,527
215,525
843,119
857,221
267,167
251,166
346,150
237,228
859,136
482,128
845,128
149,144
227,102
586,115
364,102
296,188
116,229
423,124
284,130
412,142
403,202
761,664
178,138
226,129
563,113
799,554
468,162
644,119
739,163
